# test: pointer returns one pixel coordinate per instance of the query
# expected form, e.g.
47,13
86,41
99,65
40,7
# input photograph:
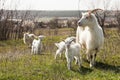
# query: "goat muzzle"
79,24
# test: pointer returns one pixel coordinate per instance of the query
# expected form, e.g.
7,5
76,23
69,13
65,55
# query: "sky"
59,4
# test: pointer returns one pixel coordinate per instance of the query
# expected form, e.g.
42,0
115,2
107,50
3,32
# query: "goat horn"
94,11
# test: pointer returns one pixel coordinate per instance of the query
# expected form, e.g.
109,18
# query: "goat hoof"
91,65
80,67
55,58
88,59
69,68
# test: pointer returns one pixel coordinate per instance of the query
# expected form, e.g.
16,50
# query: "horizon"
53,10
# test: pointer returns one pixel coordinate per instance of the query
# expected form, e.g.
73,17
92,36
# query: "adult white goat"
28,38
90,35
72,51
37,45
61,46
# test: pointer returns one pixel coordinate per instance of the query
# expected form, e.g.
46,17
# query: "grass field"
16,62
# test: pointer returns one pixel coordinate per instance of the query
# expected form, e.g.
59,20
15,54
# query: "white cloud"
60,4
42,4
115,5
103,4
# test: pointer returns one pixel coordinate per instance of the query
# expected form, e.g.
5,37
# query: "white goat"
61,46
28,38
90,35
37,45
72,51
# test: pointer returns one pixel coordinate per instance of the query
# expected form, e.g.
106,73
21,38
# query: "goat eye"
87,17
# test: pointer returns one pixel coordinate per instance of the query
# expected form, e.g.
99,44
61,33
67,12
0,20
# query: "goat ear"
82,13
36,37
89,16
56,44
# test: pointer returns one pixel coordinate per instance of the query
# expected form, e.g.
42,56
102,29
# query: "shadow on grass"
104,66
83,70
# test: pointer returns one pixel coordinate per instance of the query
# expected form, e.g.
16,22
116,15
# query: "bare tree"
101,19
10,27
117,14
118,19
54,25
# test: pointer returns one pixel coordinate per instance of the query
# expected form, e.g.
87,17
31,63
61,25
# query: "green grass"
16,62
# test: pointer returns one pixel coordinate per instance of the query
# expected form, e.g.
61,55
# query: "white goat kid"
72,51
90,35
61,46
37,45
28,38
